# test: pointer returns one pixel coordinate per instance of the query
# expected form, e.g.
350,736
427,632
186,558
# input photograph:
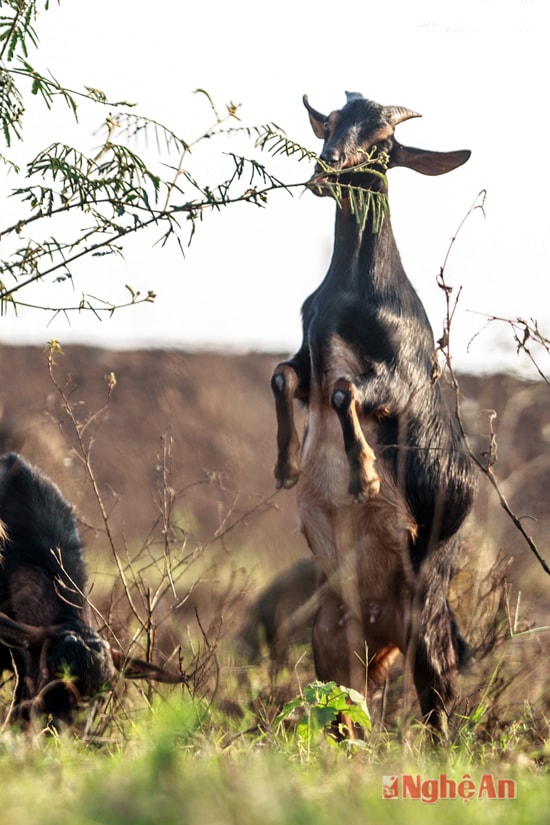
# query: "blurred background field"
182,449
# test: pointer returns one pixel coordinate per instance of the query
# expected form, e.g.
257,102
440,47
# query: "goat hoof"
285,483
286,480
278,383
374,487
365,491
339,398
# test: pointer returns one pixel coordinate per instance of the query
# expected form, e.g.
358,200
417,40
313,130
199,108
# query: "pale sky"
475,69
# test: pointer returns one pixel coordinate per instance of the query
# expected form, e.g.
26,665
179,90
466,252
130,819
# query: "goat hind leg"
435,662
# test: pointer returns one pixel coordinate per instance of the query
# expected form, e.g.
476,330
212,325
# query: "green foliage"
17,34
363,200
121,192
176,769
272,139
318,709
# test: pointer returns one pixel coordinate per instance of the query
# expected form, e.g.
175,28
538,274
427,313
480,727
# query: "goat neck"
362,257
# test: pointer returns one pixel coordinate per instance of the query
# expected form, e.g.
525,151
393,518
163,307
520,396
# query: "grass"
178,768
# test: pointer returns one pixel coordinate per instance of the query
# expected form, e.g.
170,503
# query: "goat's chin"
337,186
321,185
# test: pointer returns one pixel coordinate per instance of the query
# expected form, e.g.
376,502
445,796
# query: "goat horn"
132,668
313,112
353,96
18,634
397,114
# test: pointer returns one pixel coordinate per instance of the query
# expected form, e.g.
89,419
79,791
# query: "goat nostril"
330,158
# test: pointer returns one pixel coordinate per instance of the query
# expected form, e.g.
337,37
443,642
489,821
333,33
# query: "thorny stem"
444,347
231,113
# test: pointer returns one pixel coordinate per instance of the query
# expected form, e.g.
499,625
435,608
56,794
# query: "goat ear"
17,634
426,162
316,119
131,668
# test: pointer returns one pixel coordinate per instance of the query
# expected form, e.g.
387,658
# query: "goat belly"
369,541
361,548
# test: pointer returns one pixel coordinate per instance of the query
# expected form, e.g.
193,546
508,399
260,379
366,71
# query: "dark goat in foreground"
46,637
384,480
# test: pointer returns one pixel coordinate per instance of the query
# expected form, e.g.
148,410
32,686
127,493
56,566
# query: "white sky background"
475,69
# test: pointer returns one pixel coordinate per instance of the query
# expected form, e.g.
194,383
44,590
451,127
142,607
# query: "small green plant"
318,710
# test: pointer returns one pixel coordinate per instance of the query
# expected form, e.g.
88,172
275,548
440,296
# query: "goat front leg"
364,481
285,384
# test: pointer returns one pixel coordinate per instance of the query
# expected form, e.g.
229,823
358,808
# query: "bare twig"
152,584
523,332
486,462
84,455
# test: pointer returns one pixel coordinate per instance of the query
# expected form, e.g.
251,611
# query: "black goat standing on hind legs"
380,507
46,638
